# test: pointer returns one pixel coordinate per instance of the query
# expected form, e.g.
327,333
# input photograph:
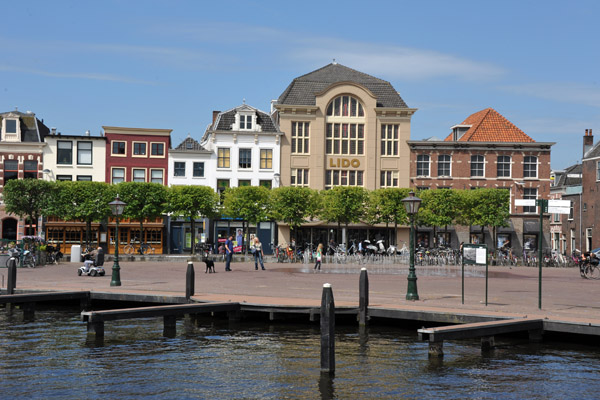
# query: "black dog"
210,265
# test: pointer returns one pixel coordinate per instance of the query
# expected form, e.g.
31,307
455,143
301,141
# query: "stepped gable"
303,90
490,126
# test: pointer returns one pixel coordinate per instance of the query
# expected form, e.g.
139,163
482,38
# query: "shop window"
343,178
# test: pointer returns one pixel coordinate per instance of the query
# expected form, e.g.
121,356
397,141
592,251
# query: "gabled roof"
570,176
302,90
490,126
190,145
225,119
32,129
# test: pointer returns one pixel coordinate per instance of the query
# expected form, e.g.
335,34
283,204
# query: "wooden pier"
29,300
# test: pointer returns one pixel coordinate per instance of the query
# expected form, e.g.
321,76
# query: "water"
51,359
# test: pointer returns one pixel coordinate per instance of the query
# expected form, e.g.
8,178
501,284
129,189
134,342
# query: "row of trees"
88,202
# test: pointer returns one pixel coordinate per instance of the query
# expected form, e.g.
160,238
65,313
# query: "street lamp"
116,207
412,204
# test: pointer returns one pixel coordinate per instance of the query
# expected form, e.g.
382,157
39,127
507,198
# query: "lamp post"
116,207
412,204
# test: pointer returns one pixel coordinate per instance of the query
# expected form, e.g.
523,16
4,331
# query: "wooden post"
97,328
487,343
363,297
190,280
170,326
11,283
436,349
327,330
29,311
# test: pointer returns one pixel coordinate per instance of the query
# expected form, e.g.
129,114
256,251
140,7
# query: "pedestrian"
229,253
258,253
319,256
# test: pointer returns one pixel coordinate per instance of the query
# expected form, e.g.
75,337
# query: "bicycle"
143,249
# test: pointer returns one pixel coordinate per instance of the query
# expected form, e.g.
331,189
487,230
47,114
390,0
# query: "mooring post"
190,279
363,297
170,326
29,311
436,349
327,330
96,328
11,283
487,343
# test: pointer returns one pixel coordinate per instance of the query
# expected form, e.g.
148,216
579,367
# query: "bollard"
327,330
363,297
190,280
11,284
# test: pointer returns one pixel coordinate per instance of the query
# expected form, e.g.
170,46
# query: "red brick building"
486,151
582,222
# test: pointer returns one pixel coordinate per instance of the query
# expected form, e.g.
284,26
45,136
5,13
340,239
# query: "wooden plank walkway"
29,300
484,330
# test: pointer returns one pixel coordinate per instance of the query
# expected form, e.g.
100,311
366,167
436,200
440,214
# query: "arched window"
345,130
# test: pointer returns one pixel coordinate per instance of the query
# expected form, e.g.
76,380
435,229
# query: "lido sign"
344,162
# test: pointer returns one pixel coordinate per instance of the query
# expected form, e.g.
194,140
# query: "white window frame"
389,179
162,175
135,178
474,162
300,142
498,163
444,163
532,163
224,157
423,165
112,175
112,148
390,140
299,177
81,152
59,150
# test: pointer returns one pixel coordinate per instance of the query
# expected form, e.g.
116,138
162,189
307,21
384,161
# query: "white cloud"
575,93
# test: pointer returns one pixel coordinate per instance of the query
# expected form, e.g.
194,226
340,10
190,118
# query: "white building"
191,164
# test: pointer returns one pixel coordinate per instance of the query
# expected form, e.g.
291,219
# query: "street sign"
525,203
559,206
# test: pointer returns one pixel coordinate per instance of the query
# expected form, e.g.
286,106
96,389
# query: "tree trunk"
88,230
193,227
141,233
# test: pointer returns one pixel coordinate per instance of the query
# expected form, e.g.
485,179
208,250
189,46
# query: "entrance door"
176,239
9,229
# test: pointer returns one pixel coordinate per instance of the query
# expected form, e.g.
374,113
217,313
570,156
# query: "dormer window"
11,130
459,130
246,122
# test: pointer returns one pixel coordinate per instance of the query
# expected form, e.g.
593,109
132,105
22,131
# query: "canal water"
50,358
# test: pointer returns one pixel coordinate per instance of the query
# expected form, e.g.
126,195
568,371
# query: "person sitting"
94,258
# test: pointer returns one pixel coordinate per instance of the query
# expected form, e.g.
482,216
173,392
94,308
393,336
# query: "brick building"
486,151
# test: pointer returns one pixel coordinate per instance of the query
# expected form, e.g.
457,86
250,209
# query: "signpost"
474,254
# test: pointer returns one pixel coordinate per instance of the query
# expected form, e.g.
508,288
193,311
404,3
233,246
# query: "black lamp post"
116,207
412,204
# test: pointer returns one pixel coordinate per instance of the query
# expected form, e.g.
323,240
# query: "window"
529,194
64,178
477,165
423,165
245,122
265,183
266,158
11,170
222,185
84,177
345,106
345,139
84,153
299,177
118,148
571,211
343,178
300,133
198,170
64,152
530,167
444,163
245,160
503,167
598,170
139,148
117,175
222,158
389,140
158,149
388,179
179,169
156,176
11,126
31,169
244,182
139,175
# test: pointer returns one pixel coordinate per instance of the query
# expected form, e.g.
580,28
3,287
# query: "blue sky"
80,65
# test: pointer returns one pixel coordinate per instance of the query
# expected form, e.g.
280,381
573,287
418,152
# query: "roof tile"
490,126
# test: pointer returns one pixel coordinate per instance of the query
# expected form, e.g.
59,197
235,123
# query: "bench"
485,330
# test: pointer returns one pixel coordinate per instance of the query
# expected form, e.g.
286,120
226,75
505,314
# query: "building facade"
21,157
486,151
589,204
342,127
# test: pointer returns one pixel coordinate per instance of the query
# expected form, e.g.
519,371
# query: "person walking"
319,256
258,254
228,253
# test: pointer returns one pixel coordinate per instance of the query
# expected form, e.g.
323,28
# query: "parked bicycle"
25,258
144,248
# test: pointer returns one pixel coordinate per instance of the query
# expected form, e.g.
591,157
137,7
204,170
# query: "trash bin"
76,253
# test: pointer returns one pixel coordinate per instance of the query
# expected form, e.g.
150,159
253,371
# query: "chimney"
53,131
588,141
215,115
87,133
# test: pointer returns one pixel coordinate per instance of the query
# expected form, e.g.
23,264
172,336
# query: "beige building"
343,127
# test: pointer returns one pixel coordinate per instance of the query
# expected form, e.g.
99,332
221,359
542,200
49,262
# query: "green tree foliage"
385,206
192,202
293,205
344,205
27,197
144,200
249,203
82,201
439,208
485,207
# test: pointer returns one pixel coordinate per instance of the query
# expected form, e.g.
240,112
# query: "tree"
85,201
27,197
438,209
293,205
485,207
385,206
249,203
192,202
144,200
344,205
